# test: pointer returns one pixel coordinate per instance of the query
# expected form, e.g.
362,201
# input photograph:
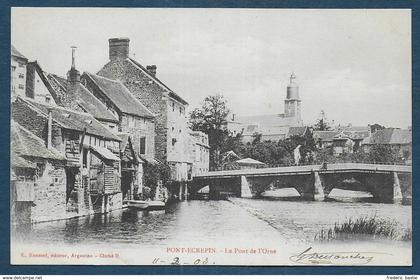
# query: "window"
142,147
173,106
21,75
173,141
47,99
21,64
13,68
21,86
180,110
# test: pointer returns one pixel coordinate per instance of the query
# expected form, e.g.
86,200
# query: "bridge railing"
316,162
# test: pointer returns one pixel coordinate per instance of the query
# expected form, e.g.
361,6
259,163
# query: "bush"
364,227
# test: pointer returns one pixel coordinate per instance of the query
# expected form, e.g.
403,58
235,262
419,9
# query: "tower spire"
292,78
73,58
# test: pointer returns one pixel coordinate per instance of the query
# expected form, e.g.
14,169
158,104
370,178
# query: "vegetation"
211,119
364,227
322,123
375,127
152,173
377,153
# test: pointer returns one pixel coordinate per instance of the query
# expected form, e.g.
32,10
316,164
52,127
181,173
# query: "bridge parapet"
306,169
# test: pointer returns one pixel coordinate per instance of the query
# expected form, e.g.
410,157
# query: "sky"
353,64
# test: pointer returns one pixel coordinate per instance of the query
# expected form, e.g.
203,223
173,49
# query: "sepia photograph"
249,137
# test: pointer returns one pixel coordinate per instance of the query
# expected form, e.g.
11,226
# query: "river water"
254,222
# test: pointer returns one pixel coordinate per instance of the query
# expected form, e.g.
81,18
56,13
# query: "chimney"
118,48
30,79
49,135
152,69
73,82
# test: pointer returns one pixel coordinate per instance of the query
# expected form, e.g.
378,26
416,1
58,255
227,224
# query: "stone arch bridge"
386,183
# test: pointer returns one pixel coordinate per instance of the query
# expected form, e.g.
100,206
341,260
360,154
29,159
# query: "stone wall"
141,127
50,194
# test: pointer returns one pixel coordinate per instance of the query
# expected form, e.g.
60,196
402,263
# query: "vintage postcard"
265,137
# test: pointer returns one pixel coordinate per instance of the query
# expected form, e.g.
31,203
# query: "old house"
200,151
90,149
131,168
37,85
134,119
86,101
346,139
398,139
18,72
38,186
168,107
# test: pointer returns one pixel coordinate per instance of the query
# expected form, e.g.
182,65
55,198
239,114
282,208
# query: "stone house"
134,119
86,101
38,185
171,135
200,151
91,151
37,85
342,139
18,72
398,139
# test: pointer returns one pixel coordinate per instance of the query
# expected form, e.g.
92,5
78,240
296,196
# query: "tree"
211,119
152,173
322,123
375,127
383,154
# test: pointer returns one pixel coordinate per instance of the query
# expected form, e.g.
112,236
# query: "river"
258,223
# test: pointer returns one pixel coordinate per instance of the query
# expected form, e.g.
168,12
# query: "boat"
137,204
156,205
149,205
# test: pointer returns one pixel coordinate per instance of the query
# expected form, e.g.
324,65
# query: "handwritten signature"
308,256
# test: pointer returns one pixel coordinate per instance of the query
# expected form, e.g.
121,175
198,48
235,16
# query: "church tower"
292,102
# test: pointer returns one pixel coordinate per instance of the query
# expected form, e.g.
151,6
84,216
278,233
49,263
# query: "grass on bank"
365,228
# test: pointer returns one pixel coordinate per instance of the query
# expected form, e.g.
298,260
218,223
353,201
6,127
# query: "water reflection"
212,221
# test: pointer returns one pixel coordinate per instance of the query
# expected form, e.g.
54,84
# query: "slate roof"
19,162
15,52
297,130
123,99
324,136
274,120
391,136
25,143
86,100
73,120
60,80
159,82
93,106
